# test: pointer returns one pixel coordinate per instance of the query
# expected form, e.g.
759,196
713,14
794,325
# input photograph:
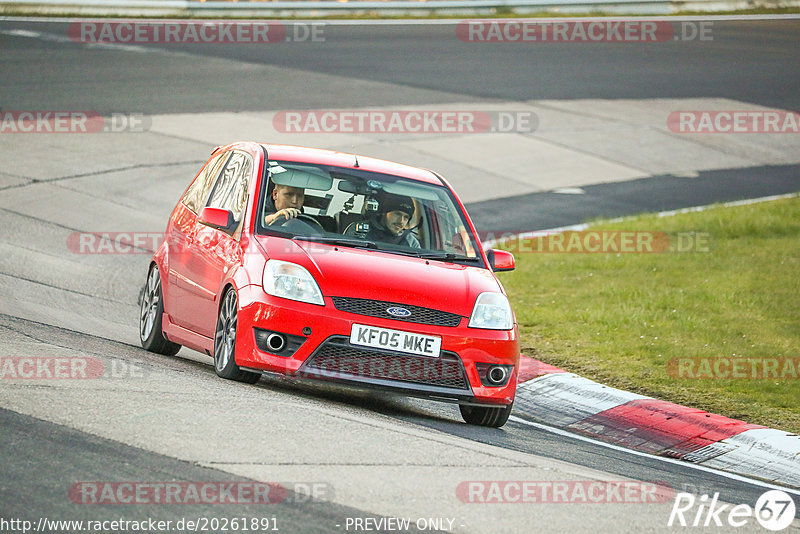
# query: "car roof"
348,160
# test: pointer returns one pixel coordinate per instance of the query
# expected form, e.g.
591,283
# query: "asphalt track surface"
753,61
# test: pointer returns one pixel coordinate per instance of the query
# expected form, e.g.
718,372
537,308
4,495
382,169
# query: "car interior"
345,203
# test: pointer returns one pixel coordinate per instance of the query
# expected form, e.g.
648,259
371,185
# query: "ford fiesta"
319,264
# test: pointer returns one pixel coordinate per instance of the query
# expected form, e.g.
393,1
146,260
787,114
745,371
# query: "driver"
286,201
394,213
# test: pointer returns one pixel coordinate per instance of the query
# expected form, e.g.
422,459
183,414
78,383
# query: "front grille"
377,308
337,358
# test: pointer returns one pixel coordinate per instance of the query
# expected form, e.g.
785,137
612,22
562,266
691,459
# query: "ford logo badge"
398,311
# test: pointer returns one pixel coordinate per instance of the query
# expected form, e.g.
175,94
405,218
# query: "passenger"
286,201
391,226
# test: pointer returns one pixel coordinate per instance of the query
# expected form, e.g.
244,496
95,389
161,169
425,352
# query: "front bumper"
325,352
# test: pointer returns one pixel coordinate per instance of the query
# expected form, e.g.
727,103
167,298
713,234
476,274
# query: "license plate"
399,340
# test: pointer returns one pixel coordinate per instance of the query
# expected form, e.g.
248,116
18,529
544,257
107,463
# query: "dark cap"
389,202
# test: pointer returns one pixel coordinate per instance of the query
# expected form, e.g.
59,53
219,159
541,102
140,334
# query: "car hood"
343,271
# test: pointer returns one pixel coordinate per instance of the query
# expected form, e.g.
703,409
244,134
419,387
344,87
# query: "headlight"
492,311
291,281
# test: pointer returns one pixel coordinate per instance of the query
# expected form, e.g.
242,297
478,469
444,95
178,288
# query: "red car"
320,264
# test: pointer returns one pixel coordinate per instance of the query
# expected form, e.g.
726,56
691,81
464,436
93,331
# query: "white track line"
673,461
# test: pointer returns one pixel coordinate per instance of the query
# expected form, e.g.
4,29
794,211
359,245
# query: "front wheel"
486,415
225,343
150,315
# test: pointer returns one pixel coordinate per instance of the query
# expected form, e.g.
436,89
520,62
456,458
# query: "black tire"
486,415
150,314
225,342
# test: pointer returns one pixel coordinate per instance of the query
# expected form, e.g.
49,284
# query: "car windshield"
352,207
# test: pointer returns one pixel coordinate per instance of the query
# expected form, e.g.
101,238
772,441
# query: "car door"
212,252
180,233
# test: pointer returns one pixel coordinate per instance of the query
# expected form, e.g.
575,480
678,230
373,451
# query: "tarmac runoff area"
487,150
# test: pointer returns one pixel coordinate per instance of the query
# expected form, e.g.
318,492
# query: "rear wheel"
486,415
225,343
150,314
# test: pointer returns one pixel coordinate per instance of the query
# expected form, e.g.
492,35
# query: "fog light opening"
497,374
276,342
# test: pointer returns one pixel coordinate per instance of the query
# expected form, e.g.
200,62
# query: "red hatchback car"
320,264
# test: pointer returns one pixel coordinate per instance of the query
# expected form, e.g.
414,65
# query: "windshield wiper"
343,241
449,256
401,252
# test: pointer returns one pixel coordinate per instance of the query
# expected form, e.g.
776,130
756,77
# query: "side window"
195,197
230,189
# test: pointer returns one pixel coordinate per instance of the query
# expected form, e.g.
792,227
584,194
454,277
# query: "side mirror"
500,260
218,218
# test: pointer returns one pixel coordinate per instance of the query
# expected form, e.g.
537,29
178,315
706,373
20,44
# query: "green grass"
619,318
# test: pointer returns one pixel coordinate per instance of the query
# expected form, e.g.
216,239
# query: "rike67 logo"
774,510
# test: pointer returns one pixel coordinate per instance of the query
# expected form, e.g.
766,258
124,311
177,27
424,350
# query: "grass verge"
619,318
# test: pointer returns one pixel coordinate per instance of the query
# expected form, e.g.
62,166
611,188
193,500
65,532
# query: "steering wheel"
309,219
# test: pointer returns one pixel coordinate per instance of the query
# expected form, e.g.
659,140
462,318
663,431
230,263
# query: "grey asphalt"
43,460
751,61
48,459
541,211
